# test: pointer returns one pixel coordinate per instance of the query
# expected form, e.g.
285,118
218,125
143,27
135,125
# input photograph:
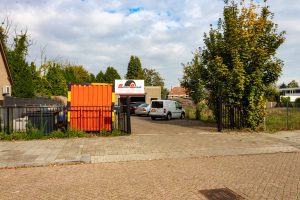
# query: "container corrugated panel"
91,107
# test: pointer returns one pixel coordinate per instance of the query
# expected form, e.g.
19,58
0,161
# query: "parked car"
166,109
133,106
143,109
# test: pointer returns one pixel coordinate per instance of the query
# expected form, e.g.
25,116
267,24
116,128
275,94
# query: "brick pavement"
137,147
264,176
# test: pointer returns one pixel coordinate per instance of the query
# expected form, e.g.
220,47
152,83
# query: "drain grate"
221,194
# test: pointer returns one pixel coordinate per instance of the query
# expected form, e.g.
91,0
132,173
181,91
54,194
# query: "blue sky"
163,34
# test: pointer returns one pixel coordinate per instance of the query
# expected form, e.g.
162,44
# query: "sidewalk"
143,147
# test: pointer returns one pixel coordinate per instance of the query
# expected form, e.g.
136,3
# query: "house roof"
5,62
180,91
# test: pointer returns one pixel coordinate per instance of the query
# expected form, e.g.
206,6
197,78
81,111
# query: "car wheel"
182,115
169,116
153,118
148,114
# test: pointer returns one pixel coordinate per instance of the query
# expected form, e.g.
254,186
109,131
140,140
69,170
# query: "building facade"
5,76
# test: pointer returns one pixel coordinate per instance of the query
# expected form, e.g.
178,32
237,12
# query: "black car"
133,106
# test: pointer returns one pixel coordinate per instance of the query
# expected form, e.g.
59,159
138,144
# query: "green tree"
111,74
272,94
20,69
293,84
192,81
239,58
153,78
92,78
100,78
76,74
134,69
55,82
283,85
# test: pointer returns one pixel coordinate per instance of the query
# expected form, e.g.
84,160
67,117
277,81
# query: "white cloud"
163,34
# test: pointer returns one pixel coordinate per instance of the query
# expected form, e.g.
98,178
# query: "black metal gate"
122,117
230,115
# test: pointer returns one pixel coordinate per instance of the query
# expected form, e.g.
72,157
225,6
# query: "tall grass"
205,113
286,118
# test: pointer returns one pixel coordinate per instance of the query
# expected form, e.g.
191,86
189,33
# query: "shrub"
297,102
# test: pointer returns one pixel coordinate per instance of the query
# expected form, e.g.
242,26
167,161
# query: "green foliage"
285,99
239,60
297,102
283,85
134,69
100,78
114,133
92,78
111,74
286,118
67,134
293,84
153,78
202,112
56,84
272,94
20,69
192,80
76,74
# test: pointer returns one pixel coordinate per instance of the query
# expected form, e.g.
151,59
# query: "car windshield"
144,105
157,104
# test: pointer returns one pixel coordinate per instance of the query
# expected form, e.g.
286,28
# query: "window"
157,104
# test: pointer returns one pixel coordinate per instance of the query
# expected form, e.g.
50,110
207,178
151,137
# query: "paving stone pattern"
264,176
137,147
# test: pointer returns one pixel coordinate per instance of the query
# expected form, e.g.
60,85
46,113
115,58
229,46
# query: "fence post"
7,123
287,115
219,113
128,115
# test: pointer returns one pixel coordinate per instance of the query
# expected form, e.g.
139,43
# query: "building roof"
5,62
180,91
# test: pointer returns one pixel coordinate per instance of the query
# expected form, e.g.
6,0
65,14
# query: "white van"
166,109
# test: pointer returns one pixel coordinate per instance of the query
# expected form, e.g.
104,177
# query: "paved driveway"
146,126
149,141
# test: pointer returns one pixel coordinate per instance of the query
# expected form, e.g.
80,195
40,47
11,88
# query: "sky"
163,34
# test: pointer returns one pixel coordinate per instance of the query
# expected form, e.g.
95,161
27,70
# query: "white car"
166,109
143,109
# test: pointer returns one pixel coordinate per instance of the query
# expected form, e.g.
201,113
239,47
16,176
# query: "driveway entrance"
146,126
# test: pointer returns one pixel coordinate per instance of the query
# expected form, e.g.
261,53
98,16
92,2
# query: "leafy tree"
55,82
153,78
111,74
134,69
283,85
20,69
100,78
239,60
272,93
293,84
192,80
76,74
92,78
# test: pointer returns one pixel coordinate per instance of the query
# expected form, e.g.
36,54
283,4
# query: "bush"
114,133
297,102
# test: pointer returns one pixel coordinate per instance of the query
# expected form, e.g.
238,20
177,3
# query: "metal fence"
283,117
232,116
24,118
51,118
99,118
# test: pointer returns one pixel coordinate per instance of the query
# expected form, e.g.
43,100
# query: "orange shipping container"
90,106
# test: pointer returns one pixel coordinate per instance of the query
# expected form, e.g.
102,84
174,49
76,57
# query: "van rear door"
157,107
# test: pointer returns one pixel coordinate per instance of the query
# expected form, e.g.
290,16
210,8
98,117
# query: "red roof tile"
178,91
